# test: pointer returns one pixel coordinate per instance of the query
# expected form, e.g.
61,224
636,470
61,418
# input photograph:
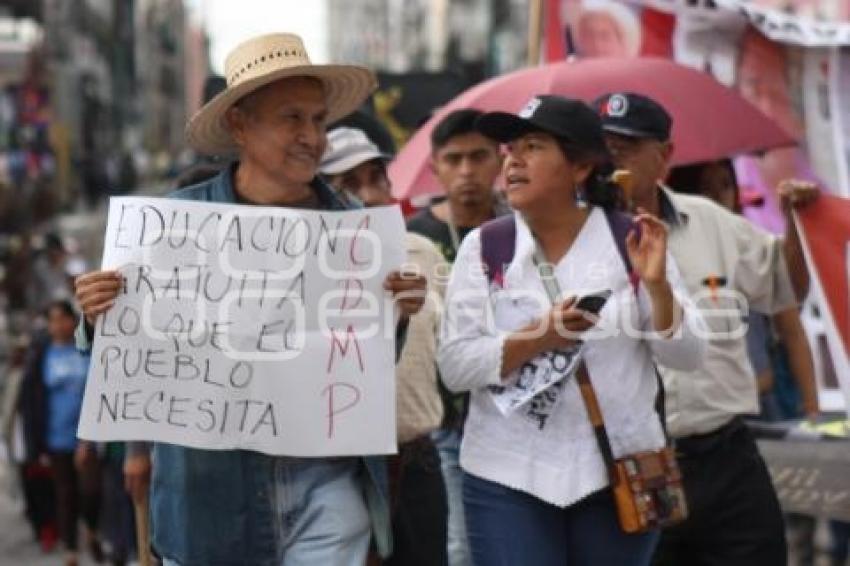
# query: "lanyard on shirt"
585,386
453,233
553,289
547,274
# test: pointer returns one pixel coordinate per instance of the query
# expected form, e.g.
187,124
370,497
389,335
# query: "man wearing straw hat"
240,507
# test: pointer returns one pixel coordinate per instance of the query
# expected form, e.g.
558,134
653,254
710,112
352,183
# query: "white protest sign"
247,327
538,381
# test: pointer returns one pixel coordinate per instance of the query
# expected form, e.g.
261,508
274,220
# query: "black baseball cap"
565,118
633,115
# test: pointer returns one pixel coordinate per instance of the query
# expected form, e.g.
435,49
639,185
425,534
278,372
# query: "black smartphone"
594,302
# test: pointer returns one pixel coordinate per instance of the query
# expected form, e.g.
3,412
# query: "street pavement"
17,546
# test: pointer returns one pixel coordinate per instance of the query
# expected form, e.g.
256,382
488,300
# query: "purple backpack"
498,244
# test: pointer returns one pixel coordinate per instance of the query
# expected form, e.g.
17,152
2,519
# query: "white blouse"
547,447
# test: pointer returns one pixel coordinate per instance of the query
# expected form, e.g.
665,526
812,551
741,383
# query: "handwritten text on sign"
247,327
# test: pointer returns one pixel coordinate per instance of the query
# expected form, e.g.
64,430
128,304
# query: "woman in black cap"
536,488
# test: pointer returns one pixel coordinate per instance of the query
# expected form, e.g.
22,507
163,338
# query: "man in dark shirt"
466,163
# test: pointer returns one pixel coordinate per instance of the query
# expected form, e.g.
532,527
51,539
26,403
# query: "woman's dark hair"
685,179
64,306
599,189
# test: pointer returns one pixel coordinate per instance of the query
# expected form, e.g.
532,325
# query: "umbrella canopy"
710,120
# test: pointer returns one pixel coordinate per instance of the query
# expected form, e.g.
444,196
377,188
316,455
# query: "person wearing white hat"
355,167
240,507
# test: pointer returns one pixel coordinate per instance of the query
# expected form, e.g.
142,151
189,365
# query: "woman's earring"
581,197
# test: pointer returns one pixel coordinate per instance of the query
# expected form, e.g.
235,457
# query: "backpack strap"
621,224
498,245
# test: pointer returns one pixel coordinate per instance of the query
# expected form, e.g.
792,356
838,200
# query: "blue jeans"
510,528
320,513
447,442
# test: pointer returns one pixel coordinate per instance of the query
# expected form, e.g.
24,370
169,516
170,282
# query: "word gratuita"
195,282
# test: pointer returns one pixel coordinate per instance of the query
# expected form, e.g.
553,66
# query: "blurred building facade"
161,55
476,38
120,78
94,96
426,51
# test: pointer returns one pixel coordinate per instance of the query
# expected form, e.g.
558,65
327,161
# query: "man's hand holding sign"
228,327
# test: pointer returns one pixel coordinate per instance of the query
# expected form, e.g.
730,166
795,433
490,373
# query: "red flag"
658,28
825,233
556,47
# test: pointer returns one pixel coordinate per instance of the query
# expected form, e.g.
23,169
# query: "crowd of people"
662,377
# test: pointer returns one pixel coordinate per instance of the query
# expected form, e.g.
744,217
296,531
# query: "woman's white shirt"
547,448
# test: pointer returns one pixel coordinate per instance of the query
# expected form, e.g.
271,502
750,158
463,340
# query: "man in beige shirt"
729,266
354,166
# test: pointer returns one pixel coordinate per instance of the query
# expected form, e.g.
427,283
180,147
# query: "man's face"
646,159
281,129
467,167
368,182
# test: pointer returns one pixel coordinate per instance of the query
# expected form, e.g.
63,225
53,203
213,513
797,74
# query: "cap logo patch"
530,108
618,106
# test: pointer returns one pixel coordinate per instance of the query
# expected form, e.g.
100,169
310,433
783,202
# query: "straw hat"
266,59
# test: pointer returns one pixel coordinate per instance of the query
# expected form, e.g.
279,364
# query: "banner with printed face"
247,327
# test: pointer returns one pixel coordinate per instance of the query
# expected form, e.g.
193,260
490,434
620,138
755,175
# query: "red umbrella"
710,121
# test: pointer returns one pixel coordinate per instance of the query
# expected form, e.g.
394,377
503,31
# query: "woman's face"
538,174
717,182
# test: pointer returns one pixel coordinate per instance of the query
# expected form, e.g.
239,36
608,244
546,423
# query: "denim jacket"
213,508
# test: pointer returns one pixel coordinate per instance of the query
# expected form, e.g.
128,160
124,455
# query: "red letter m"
336,343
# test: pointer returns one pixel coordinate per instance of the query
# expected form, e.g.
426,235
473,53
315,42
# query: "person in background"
729,267
355,166
466,164
35,478
778,346
49,275
840,547
117,517
52,399
717,181
536,488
